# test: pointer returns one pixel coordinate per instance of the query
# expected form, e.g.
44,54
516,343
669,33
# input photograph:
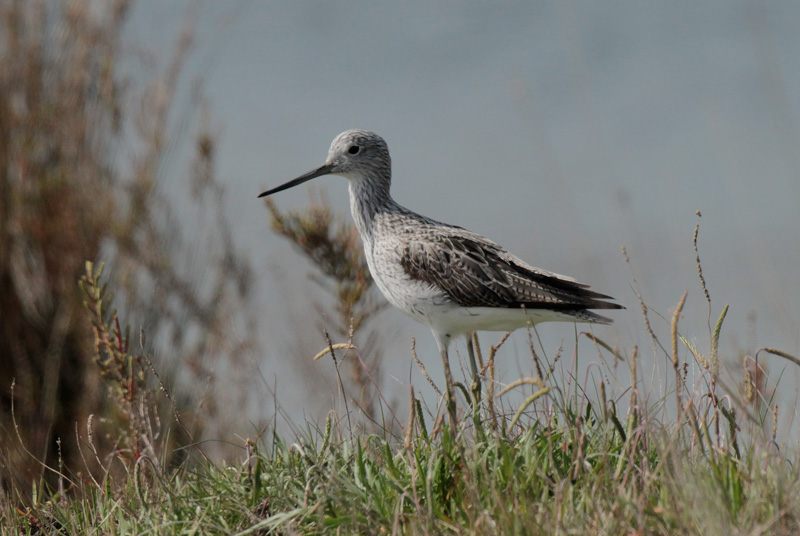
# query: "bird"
452,280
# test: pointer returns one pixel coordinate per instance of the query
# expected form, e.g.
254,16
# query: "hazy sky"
562,130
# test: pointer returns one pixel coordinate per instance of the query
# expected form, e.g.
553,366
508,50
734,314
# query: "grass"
560,473
562,462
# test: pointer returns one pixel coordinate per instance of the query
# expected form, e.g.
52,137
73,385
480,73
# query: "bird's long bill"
313,174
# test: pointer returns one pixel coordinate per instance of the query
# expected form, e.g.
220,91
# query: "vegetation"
82,157
332,245
566,464
560,461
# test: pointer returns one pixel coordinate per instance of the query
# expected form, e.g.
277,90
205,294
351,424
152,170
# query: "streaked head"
354,154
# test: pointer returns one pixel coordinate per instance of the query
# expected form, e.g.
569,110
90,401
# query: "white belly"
454,320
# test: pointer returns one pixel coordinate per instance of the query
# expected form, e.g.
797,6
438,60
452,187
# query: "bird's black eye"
354,149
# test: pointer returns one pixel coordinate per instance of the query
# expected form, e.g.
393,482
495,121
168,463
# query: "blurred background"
562,130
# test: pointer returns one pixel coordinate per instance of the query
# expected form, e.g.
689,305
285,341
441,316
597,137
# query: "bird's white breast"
383,249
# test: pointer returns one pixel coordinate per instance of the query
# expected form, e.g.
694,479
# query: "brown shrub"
80,164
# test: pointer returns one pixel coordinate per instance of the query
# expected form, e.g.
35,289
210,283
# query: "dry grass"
81,163
332,245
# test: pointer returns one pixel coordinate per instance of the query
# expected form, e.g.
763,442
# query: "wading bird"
452,280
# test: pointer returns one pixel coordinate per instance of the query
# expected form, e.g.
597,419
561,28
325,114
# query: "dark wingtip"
584,315
590,316
605,305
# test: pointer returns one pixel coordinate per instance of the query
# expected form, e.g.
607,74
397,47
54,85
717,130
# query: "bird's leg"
476,379
451,394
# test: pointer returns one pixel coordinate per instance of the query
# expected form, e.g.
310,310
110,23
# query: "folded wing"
476,272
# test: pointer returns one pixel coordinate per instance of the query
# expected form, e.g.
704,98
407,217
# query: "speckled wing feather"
476,272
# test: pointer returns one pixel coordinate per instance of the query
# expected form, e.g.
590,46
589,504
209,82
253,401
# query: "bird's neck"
369,195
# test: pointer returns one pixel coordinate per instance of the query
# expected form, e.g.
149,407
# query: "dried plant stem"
422,367
675,359
779,353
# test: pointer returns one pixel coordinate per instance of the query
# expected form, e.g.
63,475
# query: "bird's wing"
476,272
